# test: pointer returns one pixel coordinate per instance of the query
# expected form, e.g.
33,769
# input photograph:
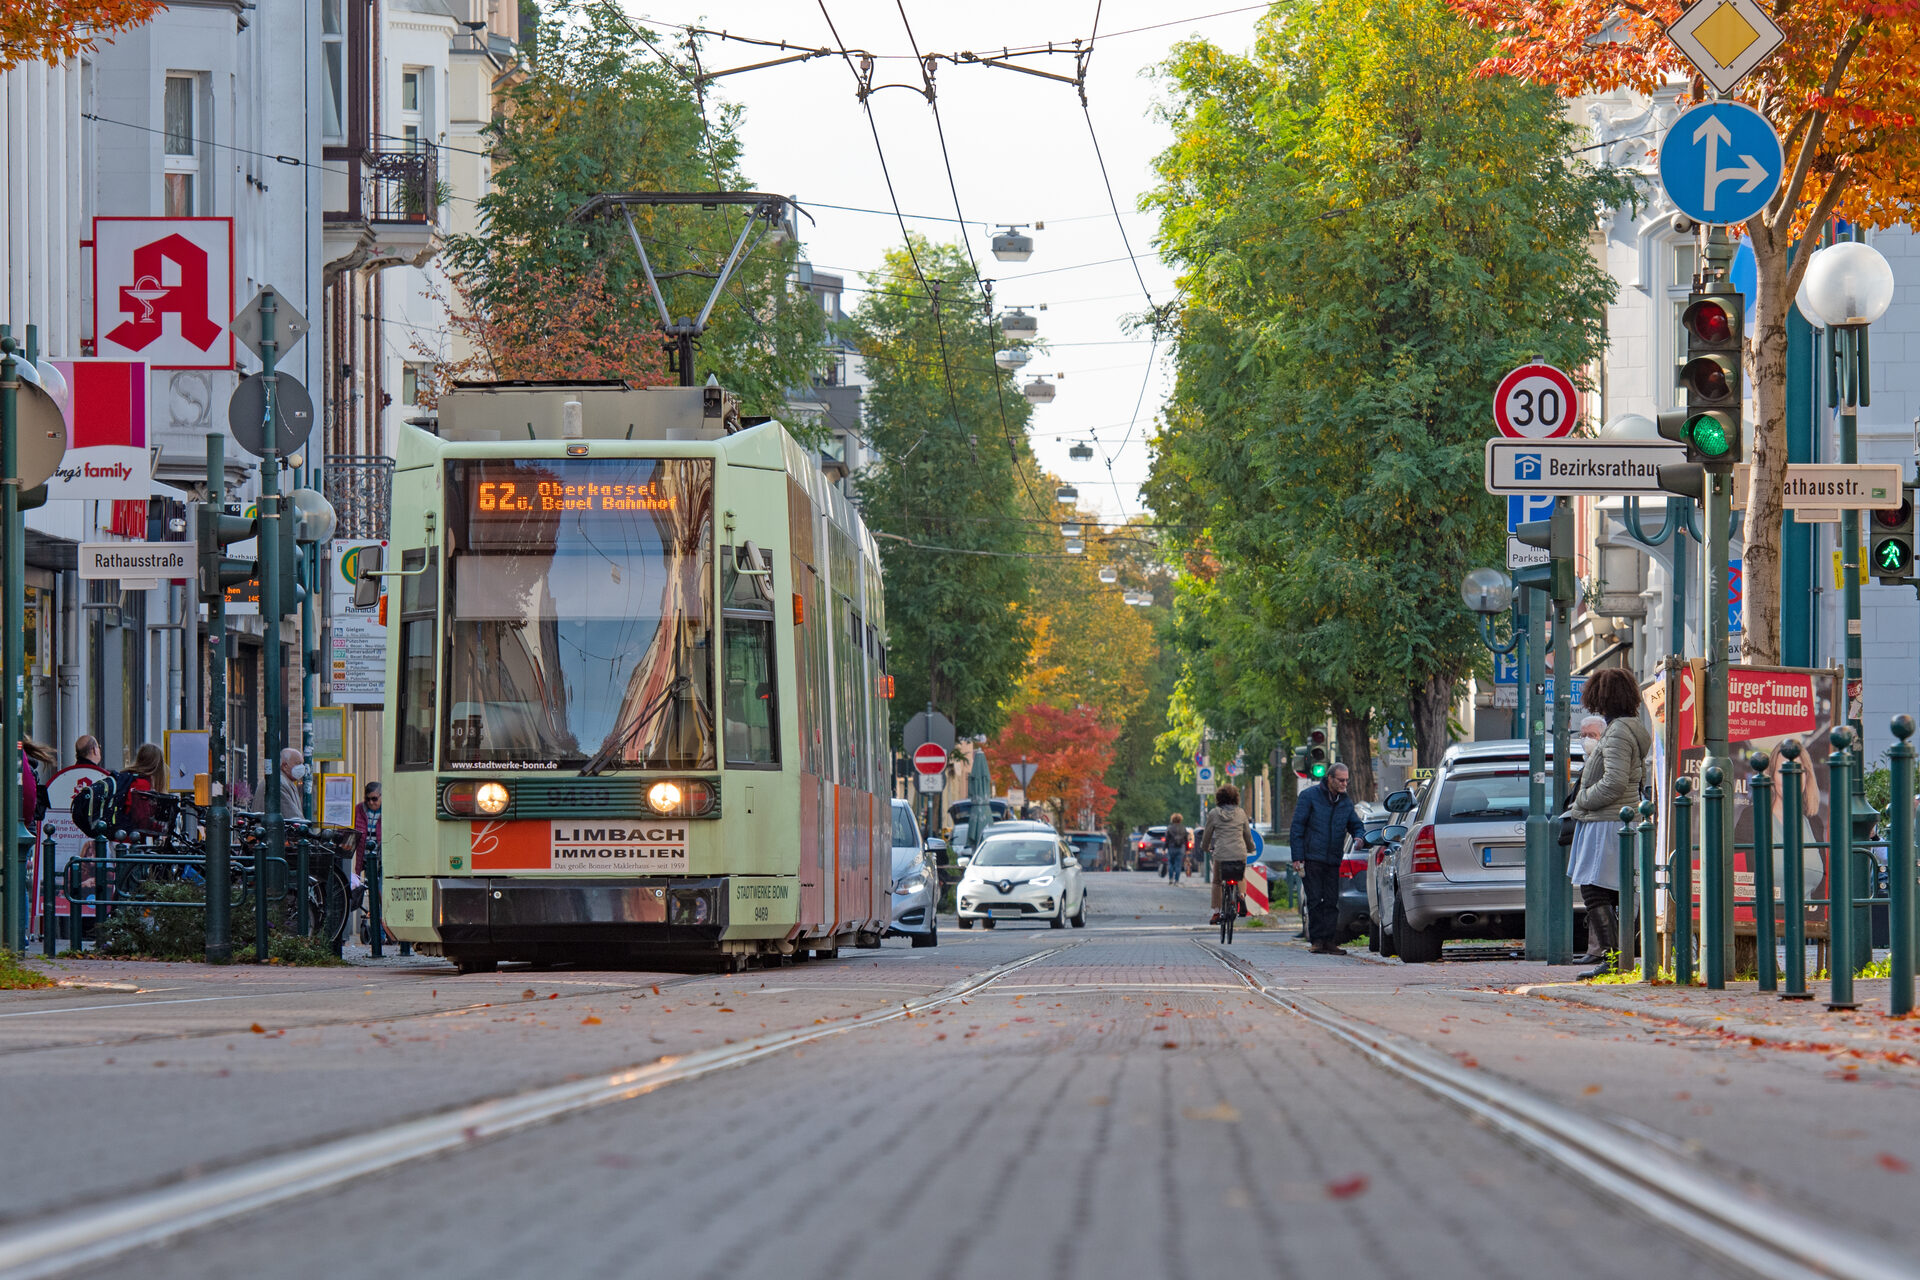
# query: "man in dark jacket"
1322,821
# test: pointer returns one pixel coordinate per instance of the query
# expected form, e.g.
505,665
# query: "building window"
412,376
413,94
180,114
333,71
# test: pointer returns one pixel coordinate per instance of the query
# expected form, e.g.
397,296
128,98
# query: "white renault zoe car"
1026,874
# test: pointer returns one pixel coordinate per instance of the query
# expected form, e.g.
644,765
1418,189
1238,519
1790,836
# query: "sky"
1021,153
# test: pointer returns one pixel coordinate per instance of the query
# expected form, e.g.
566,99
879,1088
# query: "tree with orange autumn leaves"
1072,748
55,30
1844,93
555,324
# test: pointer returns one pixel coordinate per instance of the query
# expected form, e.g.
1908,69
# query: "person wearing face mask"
293,770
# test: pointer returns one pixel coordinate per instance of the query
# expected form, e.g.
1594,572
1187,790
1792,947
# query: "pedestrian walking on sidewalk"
1226,838
1611,778
1323,818
1176,848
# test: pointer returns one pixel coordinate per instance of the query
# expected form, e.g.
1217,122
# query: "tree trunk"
1356,751
1767,358
1432,700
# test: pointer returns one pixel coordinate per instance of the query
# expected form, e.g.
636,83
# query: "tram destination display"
514,492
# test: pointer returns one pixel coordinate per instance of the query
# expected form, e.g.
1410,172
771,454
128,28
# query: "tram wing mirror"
366,585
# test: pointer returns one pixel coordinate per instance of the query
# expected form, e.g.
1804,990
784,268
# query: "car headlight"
492,798
1038,881
913,884
664,797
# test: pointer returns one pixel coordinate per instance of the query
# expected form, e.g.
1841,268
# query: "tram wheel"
473,964
826,953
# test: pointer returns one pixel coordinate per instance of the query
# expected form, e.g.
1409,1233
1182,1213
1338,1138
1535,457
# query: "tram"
636,685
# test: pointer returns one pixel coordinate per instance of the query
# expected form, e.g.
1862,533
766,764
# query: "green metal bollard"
1900,869
1649,897
1793,880
1680,882
1760,793
376,927
1623,915
1840,874
46,898
1713,895
302,918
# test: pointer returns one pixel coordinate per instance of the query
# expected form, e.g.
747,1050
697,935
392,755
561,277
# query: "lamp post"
1847,287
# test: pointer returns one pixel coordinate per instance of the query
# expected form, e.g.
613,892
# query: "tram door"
809,665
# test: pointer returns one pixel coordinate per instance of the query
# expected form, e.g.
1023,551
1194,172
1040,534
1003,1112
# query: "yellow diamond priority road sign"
1726,39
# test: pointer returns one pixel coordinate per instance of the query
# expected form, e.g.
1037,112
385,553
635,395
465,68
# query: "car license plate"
1508,856
1002,912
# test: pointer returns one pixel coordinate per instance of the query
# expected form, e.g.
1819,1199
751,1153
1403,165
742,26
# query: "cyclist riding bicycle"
1227,834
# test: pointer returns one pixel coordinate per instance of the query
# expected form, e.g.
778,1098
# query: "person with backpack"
1176,848
100,807
33,795
1226,837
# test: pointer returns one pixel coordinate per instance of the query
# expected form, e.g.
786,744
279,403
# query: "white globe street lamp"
1487,591
1847,285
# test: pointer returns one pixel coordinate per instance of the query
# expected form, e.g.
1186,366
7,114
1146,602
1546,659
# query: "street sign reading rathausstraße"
1573,467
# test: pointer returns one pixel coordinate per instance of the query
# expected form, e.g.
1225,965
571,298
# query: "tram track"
1713,1214
312,1024
110,1228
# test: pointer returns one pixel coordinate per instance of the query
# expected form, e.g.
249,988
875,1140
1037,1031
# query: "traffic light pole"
274,848
1539,825
219,813
1716,917
12,611
1559,891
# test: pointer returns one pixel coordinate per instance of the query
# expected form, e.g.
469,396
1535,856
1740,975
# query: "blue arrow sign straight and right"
1721,162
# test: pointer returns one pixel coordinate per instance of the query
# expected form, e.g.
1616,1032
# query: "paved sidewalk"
1743,1012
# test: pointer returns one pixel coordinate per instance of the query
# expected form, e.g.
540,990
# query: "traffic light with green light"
218,571
1710,380
1892,547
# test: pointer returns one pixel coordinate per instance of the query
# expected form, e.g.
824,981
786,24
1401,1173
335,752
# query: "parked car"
1092,849
1461,869
1150,852
1019,873
916,881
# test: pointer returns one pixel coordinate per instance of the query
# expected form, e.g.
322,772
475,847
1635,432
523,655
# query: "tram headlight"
665,797
492,798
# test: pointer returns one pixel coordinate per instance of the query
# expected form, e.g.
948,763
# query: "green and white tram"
636,697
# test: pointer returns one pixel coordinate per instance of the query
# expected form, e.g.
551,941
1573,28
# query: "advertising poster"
358,670
1766,707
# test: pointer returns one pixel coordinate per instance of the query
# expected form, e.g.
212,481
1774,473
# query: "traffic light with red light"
1892,545
1710,380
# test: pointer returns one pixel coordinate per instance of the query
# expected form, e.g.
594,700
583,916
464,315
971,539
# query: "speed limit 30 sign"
1536,402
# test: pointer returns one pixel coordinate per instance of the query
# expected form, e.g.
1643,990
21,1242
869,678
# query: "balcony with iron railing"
383,208
360,488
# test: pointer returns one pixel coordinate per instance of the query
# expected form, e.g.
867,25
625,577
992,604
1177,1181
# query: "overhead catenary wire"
953,187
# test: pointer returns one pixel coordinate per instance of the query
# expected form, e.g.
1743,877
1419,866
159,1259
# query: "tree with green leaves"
951,497
1369,233
599,110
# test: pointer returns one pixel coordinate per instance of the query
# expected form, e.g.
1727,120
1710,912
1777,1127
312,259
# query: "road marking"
72,1240
147,1004
1707,1211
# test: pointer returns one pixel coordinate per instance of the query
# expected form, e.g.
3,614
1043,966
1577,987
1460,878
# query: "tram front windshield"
579,614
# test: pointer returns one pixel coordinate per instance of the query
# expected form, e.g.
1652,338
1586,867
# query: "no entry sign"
929,758
1536,402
